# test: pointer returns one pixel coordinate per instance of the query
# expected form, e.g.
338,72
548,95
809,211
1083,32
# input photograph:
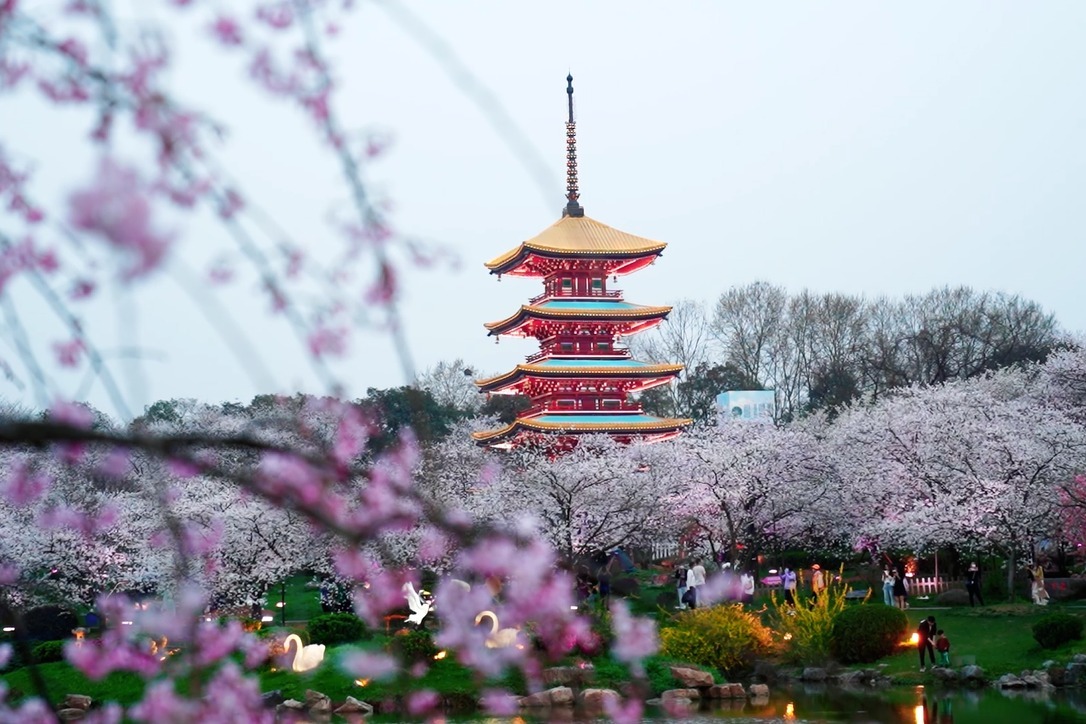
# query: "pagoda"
581,379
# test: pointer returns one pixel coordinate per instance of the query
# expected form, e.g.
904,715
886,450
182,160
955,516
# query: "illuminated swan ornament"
307,657
419,608
498,638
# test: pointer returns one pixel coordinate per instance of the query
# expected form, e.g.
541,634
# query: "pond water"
905,705
892,706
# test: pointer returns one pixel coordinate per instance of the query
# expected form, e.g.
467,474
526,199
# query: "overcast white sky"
874,148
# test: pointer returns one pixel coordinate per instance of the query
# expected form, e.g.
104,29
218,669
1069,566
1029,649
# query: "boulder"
736,691
852,678
1076,673
1032,682
569,675
973,675
813,673
1057,675
354,706
691,678
1078,659
672,694
536,700
317,703
555,696
290,705
758,691
1010,681
594,699
77,701
71,714
272,699
945,675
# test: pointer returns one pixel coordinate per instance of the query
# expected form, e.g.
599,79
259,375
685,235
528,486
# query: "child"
942,645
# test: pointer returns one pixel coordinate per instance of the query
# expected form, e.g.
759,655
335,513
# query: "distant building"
746,405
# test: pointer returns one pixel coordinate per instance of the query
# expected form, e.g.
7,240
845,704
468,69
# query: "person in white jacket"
696,579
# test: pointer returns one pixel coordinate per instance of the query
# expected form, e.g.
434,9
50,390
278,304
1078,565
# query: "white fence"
918,586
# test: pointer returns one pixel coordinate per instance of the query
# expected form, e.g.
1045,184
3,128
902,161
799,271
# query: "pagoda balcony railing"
591,294
624,407
618,353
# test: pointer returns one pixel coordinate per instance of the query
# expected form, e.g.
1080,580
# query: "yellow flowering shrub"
727,637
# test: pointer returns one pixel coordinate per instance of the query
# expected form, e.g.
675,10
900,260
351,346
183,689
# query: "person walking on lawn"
818,583
926,633
972,584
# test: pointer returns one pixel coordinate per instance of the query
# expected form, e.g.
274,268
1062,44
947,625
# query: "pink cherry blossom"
117,209
227,30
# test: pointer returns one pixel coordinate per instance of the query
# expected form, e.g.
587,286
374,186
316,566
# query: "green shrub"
727,637
808,628
413,646
48,651
953,597
49,623
862,634
1057,629
336,628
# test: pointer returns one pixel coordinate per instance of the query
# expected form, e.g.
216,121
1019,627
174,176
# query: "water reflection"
895,706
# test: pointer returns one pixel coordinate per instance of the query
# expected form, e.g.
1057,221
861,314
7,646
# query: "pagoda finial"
573,207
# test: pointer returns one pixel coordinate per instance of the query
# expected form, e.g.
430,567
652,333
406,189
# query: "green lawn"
1000,638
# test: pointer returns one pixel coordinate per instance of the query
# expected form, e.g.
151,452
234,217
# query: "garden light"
9,629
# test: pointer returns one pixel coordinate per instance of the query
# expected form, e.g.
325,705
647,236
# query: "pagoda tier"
613,377
623,426
559,316
580,381
578,241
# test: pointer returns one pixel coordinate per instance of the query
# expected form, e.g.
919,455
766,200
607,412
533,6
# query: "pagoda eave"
643,377
645,427
625,321
541,264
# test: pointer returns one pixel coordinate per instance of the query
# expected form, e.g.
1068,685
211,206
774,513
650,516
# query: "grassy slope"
999,637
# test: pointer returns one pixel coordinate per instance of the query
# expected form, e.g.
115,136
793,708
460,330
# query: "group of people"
895,587
690,584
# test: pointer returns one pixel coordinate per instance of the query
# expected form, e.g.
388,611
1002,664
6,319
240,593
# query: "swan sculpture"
306,657
419,608
499,638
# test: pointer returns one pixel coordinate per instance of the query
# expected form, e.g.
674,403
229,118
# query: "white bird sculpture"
498,638
419,608
306,657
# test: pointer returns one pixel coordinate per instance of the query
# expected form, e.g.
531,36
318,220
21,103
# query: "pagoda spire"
573,207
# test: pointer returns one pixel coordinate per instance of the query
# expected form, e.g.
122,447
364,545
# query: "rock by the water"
569,675
1010,681
595,699
945,675
291,705
71,714
813,673
1078,659
758,691
726,691
691,678
272,698
77,701
973,674
354,706
555,696
672,694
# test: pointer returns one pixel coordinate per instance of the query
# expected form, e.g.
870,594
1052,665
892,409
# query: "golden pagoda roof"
578,236
635,424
